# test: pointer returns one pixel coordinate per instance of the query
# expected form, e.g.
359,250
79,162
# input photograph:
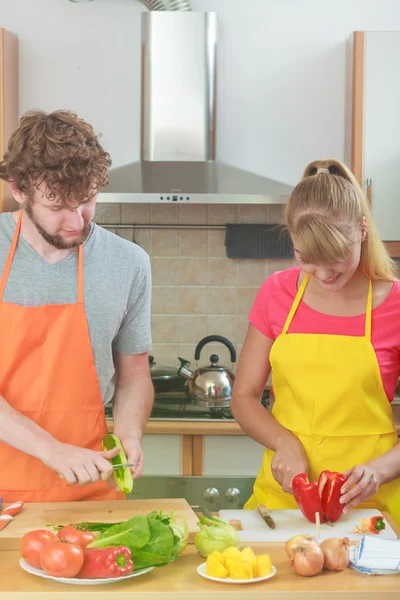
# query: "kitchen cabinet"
8,102
376,127
231,455
164,454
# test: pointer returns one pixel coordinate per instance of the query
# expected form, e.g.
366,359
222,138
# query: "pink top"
275,298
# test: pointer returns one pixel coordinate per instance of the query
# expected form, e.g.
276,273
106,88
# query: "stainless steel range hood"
178,123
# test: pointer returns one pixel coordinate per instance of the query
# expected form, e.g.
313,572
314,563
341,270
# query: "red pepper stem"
121,560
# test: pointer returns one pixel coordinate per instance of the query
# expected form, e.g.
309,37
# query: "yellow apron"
329,394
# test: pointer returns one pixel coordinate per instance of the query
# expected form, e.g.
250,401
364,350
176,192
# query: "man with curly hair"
74,320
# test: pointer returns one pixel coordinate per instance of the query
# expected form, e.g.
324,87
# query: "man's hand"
79,466
134,453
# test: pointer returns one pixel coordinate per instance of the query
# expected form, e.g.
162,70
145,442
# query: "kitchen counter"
179,580
210,427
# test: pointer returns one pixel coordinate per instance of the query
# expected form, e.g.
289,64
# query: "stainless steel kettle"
209,385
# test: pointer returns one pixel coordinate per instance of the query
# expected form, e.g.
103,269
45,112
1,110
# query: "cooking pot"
165,377
209,385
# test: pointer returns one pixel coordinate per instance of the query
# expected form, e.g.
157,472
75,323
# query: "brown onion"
308,560
298,540
336,553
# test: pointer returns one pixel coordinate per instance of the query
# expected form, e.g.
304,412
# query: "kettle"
209,385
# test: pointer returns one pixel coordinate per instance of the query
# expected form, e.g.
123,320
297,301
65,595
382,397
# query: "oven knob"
232,495
211,494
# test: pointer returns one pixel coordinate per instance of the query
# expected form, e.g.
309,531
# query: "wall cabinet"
376,127
8,102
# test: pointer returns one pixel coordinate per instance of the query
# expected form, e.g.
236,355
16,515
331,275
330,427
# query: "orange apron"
48,374
329,394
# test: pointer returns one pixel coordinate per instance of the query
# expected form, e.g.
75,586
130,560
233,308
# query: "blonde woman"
329,329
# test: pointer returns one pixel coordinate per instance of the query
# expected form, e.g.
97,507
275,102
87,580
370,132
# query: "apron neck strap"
299,295
296,303
10,257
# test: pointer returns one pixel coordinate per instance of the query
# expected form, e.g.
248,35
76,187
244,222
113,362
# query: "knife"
266,516
125,465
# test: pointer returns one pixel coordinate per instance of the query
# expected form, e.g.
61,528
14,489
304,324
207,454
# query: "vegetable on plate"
237,564
101,563
60,559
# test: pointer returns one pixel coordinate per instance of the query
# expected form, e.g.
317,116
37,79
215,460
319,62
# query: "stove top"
171,406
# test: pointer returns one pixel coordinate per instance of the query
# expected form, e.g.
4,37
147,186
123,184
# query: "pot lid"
162,372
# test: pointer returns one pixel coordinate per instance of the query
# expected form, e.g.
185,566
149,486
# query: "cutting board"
44,515
292,522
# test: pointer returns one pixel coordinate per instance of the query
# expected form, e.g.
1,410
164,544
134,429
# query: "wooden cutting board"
292,522
47,514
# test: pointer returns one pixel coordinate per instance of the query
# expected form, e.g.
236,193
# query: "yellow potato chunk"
232,552
215,569
240,570
249,556
217,556
263,565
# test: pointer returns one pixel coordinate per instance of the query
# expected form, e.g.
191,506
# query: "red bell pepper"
319,497
104,563
370,525
329,485
307,497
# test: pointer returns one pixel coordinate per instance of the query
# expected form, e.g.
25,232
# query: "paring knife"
125,465
266,516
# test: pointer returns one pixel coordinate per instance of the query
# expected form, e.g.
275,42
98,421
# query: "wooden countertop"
180,427
179,580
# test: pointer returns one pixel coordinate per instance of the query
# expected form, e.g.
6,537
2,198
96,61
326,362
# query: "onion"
298,540
308,560
336,553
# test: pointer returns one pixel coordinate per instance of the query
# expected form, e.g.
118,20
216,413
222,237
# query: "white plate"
201,569
75,580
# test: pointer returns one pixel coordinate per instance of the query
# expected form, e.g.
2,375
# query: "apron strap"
295,304
11,252
368,315
80,275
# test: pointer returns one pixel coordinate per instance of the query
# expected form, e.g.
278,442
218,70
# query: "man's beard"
57,240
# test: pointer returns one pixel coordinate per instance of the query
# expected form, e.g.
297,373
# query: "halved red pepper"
104,563
319,497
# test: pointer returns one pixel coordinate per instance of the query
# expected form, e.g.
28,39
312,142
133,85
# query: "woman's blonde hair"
325,214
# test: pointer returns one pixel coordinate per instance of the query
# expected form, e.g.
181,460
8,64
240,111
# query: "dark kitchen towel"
257,241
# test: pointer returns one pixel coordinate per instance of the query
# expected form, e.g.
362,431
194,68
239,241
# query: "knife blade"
125,465
262,509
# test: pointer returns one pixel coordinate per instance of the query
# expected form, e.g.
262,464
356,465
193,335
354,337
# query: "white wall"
282,72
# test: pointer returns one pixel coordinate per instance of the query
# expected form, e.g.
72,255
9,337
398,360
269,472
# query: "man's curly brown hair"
59,150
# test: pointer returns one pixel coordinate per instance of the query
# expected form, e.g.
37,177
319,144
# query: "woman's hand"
363,482
290,459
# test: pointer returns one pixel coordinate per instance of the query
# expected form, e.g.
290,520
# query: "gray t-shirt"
117,291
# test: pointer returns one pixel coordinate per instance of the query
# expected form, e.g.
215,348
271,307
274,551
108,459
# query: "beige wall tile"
275,213
164,329
220,214
186,351
191,328
241,324
246,297
252,213
164,214
143,238
222,271
135,213
108,213
216,243
222,300
192,300
193,214
193,271
279,265
164,242
112,230
252,271
221,325
166,354
164,300
126,233
193,242
165,271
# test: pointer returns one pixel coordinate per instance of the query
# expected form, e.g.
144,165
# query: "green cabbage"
215,535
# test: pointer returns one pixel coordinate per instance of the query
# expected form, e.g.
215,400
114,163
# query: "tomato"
74,536
32,544
61,559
